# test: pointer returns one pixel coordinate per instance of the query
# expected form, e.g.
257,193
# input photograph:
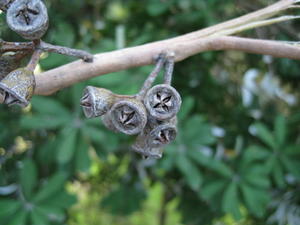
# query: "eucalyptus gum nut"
129,116
2,97
154,137
96,101
4,4
159,133
18,87
106,119
140,146
162,135
28,18
162,102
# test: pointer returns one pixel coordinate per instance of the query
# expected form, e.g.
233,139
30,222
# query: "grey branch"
66,75
213,38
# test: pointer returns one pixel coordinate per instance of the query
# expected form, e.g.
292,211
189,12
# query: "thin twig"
6,46
34,60
149,81
169,67
256,24
85,56
258,15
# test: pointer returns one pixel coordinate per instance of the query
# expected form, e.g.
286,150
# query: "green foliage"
280,157
45,206
124,200
231,163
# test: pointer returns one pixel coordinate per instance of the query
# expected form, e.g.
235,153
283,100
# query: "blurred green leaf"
63,34
230,201
55,213
8,207
82,159
278,174
265,135
187,105
292,150
54,60
19,218
197,132
124,200
168,162
256,176
61,200
38,218
156,7
52,187
291,165
254,153
280,130
221,168
210,163
48,150
28,177
191,173
199,157
256,200
115,80
67,146
211,189
94,133
49,106
271,162
76,92
43,122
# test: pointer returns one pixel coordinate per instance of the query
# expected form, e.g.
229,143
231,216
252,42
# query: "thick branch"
211,38
58,78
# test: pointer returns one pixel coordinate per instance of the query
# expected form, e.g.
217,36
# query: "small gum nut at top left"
96,101
28,18
18,87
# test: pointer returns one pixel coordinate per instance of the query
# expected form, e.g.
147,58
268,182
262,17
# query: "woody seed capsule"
28,18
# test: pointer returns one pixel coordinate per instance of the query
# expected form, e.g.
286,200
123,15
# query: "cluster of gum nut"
28,18
150,114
